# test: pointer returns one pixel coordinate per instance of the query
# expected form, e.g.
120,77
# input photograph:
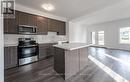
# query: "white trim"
119,37
98,38
1,47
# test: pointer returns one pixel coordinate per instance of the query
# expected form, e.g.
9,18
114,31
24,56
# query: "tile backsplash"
50,38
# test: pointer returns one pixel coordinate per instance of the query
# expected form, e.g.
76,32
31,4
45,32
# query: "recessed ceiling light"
48,7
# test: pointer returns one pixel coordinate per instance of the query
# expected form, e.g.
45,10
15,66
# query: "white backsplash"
50,38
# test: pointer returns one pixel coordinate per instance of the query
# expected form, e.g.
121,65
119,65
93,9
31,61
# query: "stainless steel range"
28,51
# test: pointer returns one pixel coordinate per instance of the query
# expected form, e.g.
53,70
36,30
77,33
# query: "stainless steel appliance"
27,51
25,29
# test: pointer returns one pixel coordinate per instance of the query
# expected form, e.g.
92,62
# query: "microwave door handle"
34,29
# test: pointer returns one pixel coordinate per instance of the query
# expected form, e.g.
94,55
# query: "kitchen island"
70,59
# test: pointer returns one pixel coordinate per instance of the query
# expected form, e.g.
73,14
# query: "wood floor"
120,66
42,71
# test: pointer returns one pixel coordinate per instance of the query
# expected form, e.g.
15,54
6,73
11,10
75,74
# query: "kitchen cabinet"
59,63
46,50
53,25
57,26
43,48
27,19
42,25
11,24
10,57
61,28
23,18
32,20
70,62
5,25
83,58
51,49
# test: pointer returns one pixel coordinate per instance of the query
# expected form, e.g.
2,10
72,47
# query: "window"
93,38
125,35
101,37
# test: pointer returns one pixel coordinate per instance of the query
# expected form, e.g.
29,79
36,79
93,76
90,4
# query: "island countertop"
71,46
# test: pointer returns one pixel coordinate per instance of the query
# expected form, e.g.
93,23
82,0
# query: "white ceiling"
114,12
69,9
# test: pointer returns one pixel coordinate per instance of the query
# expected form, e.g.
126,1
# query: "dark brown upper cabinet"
23,18
61,28
11,24
52,25
42,25
5,25
27,19
32,20
57,26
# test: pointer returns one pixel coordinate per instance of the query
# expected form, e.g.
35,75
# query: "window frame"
92,37
119,36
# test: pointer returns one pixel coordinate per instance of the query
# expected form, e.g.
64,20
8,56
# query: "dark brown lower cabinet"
70,62
43,48
59,61
46,50
10,57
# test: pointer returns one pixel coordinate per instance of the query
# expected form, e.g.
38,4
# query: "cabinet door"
50,50
62,28
83,55
71,63
52,25
5,25
10,57
32,20
7,58
11,24
23,18
42,25
43,51
59,61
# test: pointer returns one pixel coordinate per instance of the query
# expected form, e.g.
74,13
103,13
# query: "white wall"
1,48
111,33
77,33
109,19
12,39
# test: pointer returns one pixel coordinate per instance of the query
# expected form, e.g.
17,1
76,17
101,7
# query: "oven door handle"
29,46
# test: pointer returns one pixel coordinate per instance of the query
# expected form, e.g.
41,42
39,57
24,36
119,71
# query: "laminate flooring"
42,71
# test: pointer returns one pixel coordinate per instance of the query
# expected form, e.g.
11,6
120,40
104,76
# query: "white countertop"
8,45
16,44
71,46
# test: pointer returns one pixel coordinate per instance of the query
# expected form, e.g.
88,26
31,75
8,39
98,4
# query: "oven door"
27,54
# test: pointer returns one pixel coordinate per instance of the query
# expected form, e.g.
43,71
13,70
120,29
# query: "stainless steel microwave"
25,29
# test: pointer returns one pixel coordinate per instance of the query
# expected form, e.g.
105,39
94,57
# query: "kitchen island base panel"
68,63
